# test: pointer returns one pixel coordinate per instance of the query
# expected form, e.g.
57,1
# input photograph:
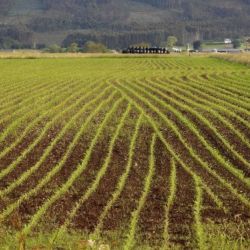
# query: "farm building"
227,41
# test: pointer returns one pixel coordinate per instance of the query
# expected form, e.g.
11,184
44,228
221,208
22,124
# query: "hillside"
118,23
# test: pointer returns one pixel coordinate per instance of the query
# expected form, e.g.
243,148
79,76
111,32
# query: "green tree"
247,43
9,43
93,47
171,41
142,44
236,43
197,45
73,48
54,48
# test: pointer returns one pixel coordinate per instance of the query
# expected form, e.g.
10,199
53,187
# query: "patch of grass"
223,236
243,58
227,236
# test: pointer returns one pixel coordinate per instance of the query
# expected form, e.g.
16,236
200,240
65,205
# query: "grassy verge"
35,54
243,58
224,236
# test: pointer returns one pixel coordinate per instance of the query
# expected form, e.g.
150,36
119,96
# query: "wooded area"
118,24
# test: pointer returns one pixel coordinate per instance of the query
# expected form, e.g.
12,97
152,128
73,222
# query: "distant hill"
118,23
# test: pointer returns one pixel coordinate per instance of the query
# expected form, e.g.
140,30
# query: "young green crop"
194,101
45,129
52,108
213,151
234,94
203,119
62,133
21,115
170,201
11,207
94,185
220,98
198,109
131,239
197,214
75,174
204,165
203,97
122,181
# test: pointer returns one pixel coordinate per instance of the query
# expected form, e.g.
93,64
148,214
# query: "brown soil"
119,215
181,218
151,221
152,218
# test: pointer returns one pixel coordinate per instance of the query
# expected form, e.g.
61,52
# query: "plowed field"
157,149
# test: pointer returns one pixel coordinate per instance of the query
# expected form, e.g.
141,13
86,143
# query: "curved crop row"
44,131
62,161
224,99
202,119
32,95
94,185
241,197
130,239
10,208
20,90
122,180
191,102
25,112
172,192
214,152
49,149
80,168
202,96
226,86
51,110
197,214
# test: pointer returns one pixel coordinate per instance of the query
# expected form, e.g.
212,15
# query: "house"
177,50
227,41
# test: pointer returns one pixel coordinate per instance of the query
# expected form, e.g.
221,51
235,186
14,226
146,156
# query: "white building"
177,50
227,41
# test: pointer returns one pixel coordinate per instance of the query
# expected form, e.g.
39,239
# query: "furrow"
122,181
130,241
94,185
50,108
213,151
63,189
49,149
241,197
201,119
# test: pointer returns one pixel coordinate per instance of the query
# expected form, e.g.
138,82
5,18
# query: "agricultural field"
243,58
124,153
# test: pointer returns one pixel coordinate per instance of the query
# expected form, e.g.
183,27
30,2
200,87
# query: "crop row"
198,113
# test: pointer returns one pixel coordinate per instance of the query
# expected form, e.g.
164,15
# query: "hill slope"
121,22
